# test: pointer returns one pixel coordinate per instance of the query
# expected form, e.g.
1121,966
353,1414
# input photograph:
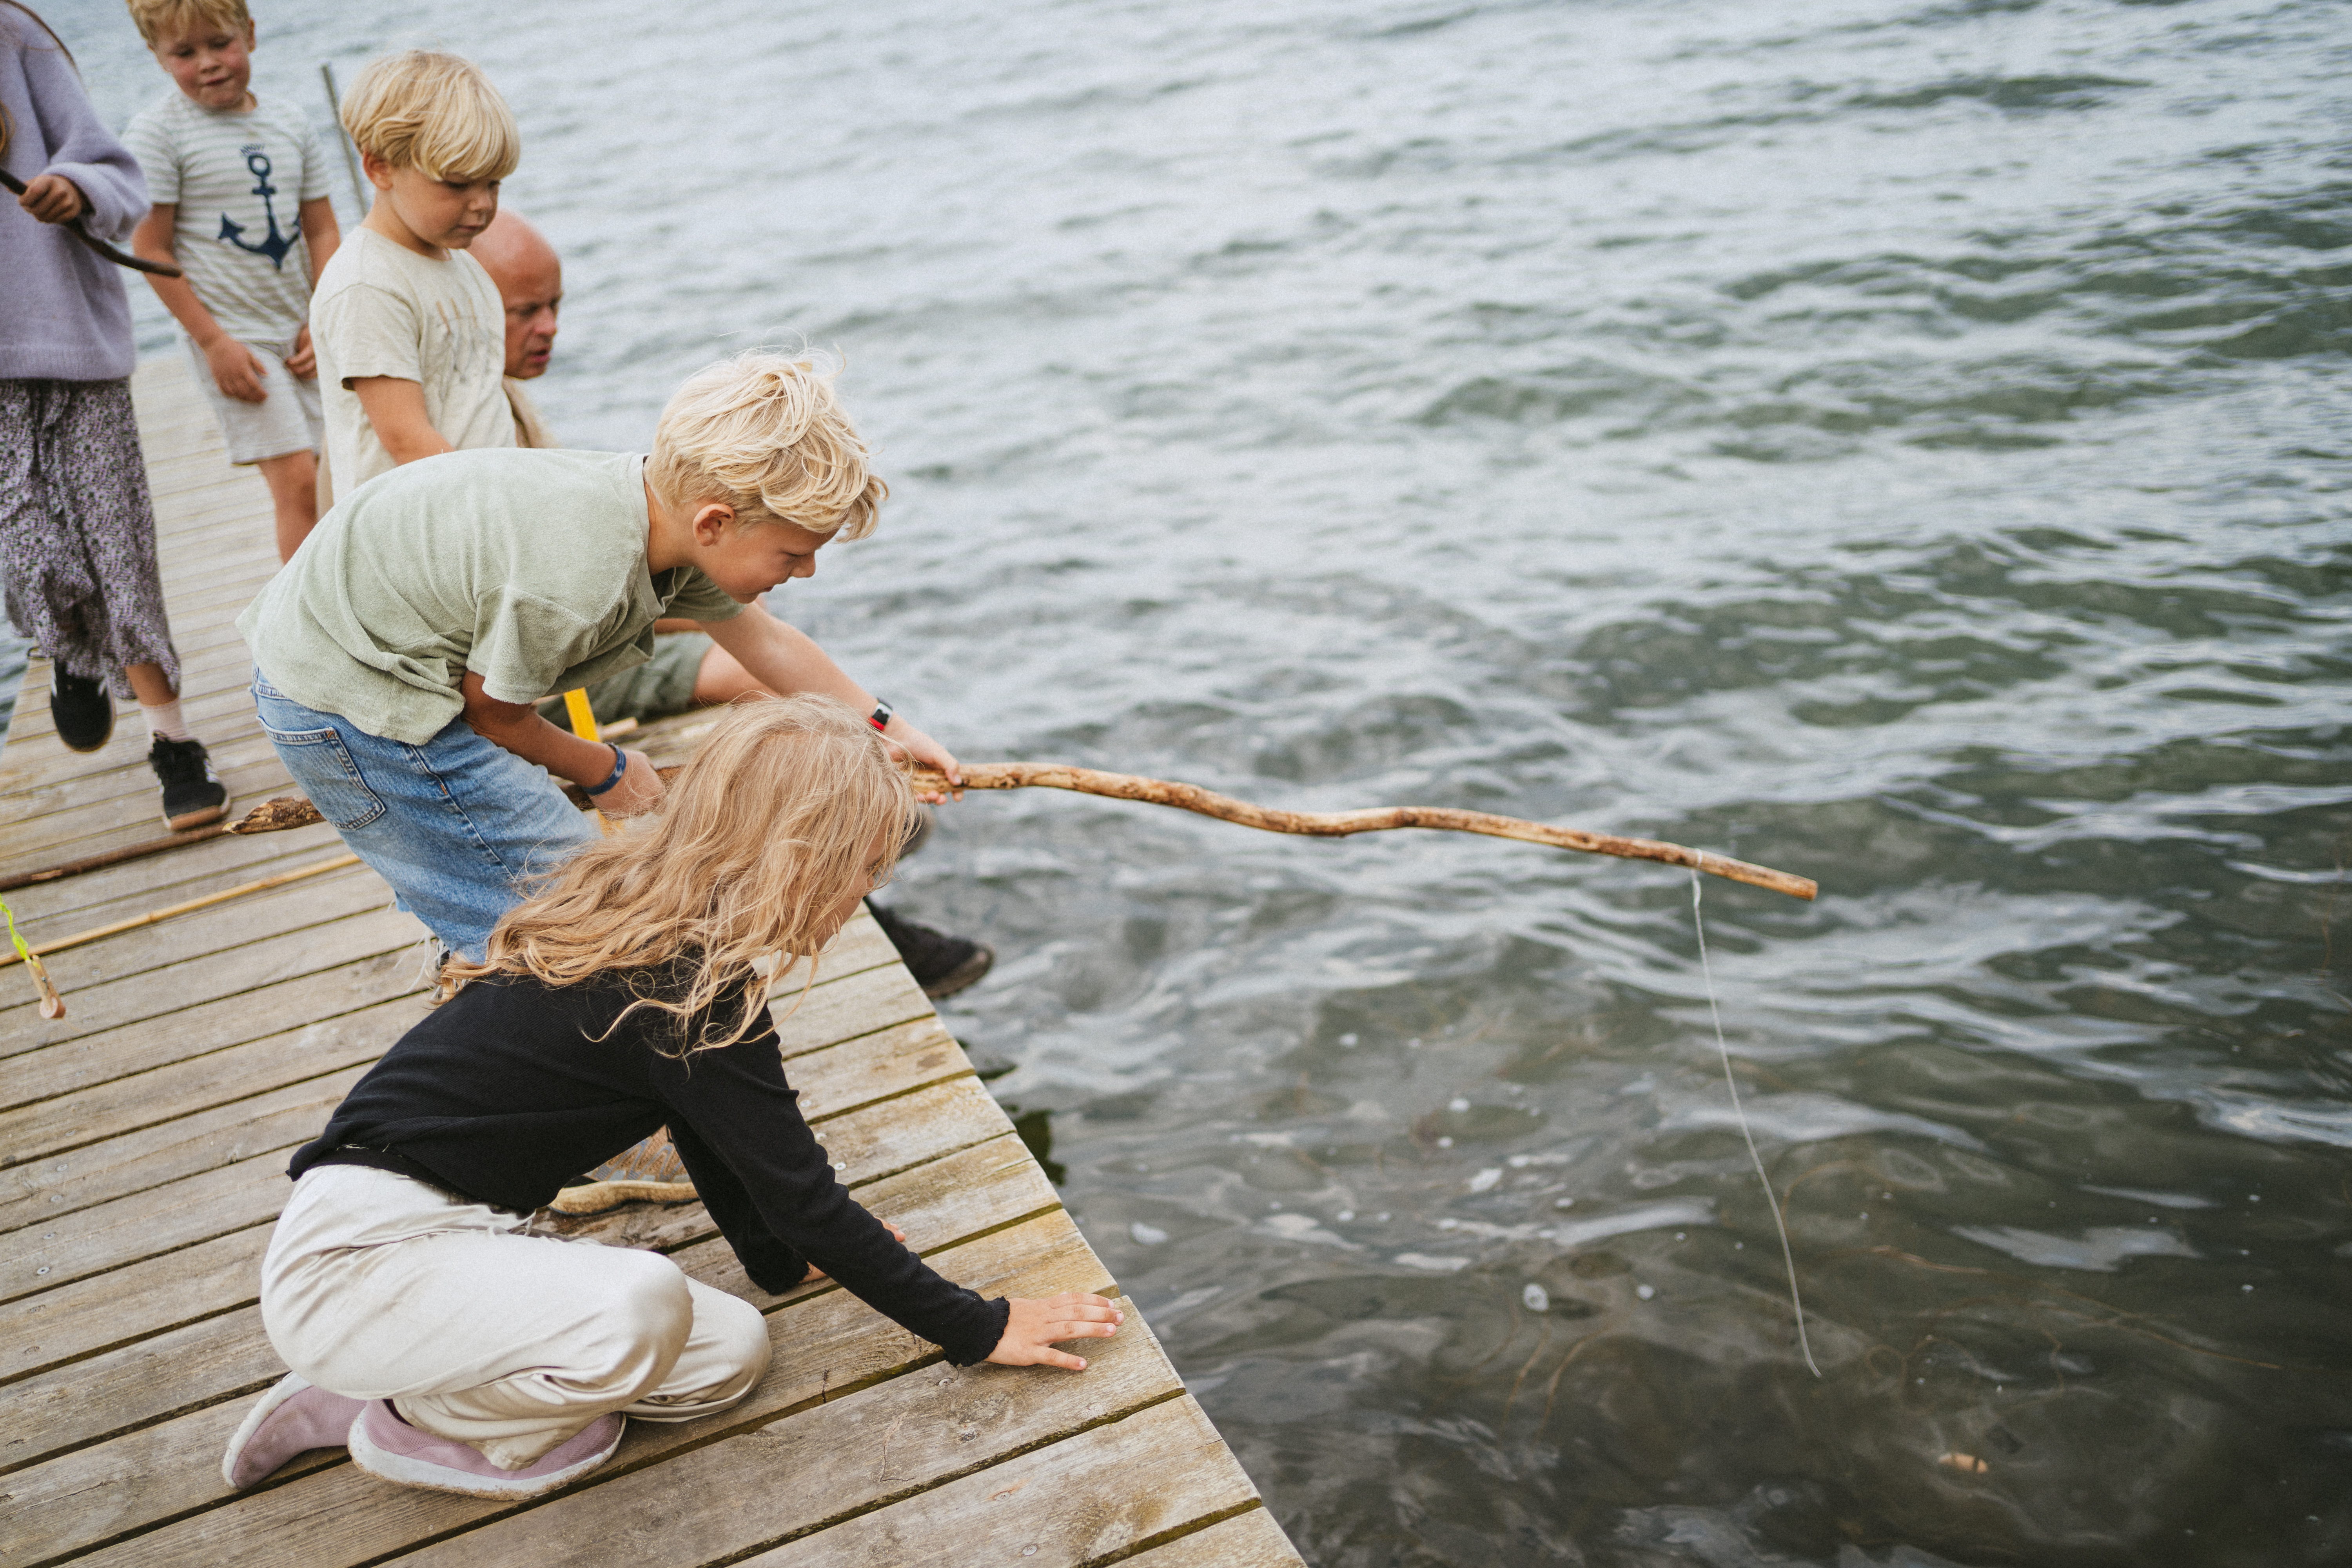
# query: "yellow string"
22,950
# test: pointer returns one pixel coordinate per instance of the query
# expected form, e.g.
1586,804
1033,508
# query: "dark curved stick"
119,257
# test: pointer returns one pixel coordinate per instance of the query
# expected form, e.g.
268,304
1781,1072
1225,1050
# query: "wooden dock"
143,1141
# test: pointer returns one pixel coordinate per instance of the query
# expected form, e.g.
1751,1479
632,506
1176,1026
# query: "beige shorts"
288,420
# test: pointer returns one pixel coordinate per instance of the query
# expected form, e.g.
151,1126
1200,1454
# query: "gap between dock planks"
142,1146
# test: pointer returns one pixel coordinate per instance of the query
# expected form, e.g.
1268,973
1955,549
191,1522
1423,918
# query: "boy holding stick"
398,655
687,669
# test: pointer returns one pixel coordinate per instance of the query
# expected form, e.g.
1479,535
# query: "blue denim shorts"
457,825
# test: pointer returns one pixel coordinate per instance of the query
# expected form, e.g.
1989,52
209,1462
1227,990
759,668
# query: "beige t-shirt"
382,310
528,568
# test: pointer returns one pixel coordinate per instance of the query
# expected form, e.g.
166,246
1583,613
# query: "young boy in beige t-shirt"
410,333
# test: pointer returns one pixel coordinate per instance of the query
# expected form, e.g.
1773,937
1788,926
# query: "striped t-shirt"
239,178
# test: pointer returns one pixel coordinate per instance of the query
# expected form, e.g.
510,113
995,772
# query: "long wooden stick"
9,884
288,812
1340,824
151,916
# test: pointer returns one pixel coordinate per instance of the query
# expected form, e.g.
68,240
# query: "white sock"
163,718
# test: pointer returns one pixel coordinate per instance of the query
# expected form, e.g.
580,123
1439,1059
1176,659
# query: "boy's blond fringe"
435,114
770,826
153,18
764,433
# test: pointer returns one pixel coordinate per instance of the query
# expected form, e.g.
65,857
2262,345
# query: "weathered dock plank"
142,1145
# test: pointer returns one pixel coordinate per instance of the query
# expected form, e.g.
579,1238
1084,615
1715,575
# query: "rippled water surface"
1900,442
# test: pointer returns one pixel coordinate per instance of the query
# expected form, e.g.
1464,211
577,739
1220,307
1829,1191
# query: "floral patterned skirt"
77,532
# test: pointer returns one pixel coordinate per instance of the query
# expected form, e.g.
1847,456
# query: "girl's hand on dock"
1032,1328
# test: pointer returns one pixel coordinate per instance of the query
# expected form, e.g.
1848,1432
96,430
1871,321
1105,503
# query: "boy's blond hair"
435,114
156,18
762,432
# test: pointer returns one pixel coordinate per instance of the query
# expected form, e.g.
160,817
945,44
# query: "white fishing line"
1788,1254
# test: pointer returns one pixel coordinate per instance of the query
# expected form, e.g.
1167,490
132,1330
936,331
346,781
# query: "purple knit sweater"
63,313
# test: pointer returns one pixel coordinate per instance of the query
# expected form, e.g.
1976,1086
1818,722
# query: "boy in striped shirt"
239,194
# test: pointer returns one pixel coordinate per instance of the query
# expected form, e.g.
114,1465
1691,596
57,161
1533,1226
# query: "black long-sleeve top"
513,1086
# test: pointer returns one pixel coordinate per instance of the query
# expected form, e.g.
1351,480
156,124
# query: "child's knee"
738,1336
649,1304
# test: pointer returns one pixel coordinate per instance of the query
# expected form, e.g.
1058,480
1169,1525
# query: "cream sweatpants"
378,1287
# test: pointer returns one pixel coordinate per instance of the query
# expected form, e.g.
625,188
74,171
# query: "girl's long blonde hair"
791,802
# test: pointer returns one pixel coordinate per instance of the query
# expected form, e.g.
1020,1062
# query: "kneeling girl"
447,1346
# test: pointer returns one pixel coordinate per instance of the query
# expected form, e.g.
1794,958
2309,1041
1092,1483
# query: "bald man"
530,277
687,669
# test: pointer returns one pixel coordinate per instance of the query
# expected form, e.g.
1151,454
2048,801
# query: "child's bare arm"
784,659
395,406
516,727
1032,1326
236,369
321,237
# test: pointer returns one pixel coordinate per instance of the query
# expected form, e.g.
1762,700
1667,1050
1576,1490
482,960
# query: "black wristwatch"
880,717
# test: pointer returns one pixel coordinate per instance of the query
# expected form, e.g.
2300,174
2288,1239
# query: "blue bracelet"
620,766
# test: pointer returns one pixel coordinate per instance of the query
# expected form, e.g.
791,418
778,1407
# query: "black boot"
942,964
193,794
81,709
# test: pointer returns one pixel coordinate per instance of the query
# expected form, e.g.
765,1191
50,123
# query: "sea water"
1900,441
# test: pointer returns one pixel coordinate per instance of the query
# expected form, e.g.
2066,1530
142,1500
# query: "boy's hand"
640,790
1033,1327
304,361
905,738
237,369
53,198
816,1273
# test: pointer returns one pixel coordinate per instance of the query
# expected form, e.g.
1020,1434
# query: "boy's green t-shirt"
528,567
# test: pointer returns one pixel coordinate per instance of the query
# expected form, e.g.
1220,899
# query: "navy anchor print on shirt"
277,245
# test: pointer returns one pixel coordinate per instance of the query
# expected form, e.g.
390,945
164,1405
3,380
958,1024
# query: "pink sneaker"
291,1418
387,1447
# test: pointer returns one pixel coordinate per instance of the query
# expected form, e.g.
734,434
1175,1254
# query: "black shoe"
942,964
193,792
81,710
